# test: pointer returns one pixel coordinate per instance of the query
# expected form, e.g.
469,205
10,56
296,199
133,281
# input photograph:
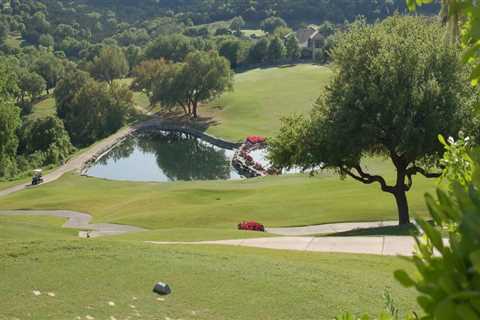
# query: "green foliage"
395,89
236,51
47,137
203,76
9,122
91,110
46,40
237,24
276,50
449,271
259,51
31,84
465,15
50,68
293,49
171,47
456,161
270,24
109,65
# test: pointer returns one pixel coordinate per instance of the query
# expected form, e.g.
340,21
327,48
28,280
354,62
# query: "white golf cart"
37,177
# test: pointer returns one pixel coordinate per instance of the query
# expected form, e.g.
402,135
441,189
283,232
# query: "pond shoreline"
157,125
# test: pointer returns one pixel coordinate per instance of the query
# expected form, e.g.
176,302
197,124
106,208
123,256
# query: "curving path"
78,220
385,246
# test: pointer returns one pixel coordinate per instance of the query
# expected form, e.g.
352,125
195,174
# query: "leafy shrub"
449,283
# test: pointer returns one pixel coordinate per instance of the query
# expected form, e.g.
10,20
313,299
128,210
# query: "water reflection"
165,157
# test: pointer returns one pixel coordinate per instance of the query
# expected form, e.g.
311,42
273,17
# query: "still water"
165,156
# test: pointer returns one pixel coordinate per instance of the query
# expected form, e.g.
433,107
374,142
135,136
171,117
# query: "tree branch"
366,178
414,170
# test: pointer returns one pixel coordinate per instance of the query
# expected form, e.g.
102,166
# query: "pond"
165,156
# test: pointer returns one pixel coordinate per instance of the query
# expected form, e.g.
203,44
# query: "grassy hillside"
34,228
182,206
207,282
262,96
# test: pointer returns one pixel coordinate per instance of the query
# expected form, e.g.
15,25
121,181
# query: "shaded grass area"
30,228
207,282
405,230
262,96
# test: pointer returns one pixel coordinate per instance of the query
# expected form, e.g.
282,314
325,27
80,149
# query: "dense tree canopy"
9,122
109,65
394,91
91,110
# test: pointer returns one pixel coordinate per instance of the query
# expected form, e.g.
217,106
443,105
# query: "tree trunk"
195,107
402,206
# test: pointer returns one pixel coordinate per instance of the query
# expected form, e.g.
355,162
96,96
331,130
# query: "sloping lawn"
273,201
94,279
262,96
34,228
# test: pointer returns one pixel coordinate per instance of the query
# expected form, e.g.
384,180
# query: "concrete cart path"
385,246
78,220
329,228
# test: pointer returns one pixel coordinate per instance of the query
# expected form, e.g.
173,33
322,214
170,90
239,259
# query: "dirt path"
385,246
78,220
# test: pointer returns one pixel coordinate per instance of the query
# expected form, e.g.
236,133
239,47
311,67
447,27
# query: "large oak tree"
395,89
201,77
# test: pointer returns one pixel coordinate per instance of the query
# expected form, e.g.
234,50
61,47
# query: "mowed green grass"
261,97
208,282
182,207
34,228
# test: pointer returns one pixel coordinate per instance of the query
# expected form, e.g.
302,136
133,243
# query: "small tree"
30,84
50,68
395,89
109,65
259,51
204,76
156,78
235,51
276,50
270,24
293,49
237,24
46,40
